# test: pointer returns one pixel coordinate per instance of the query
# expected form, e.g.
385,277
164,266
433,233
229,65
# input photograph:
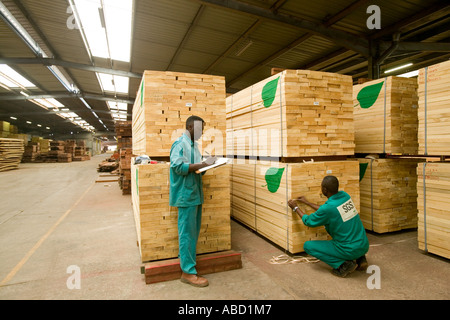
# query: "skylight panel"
112,83
14,79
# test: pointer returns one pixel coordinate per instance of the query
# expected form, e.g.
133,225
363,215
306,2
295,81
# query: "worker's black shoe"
362,263
345,269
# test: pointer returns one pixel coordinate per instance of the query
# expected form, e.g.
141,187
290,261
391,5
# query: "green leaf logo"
362,170
268,92
368,95
273,178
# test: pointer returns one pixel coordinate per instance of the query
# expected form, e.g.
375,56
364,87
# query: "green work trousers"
328,252
189,223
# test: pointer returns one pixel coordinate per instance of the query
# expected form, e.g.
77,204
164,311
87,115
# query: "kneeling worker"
341,220
186,193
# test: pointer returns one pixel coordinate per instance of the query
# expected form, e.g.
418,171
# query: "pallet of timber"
385,115
156,221
11,153
433,188
295,113
434,109
261,189
164,102
388,194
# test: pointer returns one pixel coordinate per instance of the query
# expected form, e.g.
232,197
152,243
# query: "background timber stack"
164,102
156,221
388,194
434,117
166,99
56,148
291,115
124,146
386,119
11,153
295,113
433,188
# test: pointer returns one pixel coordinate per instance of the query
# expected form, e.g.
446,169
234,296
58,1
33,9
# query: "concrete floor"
54,217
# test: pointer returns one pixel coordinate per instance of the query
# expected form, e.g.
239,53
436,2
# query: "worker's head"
330,186
195,125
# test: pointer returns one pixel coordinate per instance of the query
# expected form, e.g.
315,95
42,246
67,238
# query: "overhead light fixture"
398,68
244,46
24,94
14,118
39,125
106,27
29,122
410,74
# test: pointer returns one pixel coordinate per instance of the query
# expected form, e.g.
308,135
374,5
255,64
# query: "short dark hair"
192,119
331,183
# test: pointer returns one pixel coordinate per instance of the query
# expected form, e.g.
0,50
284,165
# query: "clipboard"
219,162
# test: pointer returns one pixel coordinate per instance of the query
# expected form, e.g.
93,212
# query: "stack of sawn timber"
433,185
11,153
124,145
293,114
164,102
386,122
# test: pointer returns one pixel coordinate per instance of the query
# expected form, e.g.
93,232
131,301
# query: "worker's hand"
210,160
302,199
292,204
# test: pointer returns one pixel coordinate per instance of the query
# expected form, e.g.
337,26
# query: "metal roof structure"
241,40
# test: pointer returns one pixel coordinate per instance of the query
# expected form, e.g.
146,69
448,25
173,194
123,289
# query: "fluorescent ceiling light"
398,68
107,27
13,78
409,74
14,118
29,122
112,83
39,125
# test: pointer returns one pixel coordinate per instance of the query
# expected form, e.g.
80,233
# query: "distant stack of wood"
124,146
11,152
295,113
434,105
166,99
261,189
32,152
385,114
388,193
4,129
433,188
156,221
81,153
56,148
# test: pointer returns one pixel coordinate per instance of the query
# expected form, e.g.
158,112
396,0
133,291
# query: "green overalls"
342,222
186,193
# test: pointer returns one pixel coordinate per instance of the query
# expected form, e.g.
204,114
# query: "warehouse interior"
73,70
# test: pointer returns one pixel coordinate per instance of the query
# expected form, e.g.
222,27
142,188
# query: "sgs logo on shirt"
347,210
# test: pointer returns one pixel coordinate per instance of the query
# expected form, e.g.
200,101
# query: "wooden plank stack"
261,189
434,110
32,152
385,116
433,188
295,113
11,152
388,194
166,99
156,221
124,146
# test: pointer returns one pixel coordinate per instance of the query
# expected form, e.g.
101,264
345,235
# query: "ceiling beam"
66,64
350,41
65,95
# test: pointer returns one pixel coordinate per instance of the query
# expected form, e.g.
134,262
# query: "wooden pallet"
166,270
433,188
11,153
388,194
295,113
164,102
156,221
434,106
385,116
260,202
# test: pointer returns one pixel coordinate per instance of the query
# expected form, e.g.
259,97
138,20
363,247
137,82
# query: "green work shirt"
342,222
186,188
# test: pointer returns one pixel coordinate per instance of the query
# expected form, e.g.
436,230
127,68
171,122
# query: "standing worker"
341,220
186,193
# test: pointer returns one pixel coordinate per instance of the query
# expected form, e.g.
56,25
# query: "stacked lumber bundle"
385,116
156,221
433,188
166,99
80,153
388,194
434,106
11,152
124,146
4,129
295,113
56,148
70,146
261,189
22,136
31,152
65,157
